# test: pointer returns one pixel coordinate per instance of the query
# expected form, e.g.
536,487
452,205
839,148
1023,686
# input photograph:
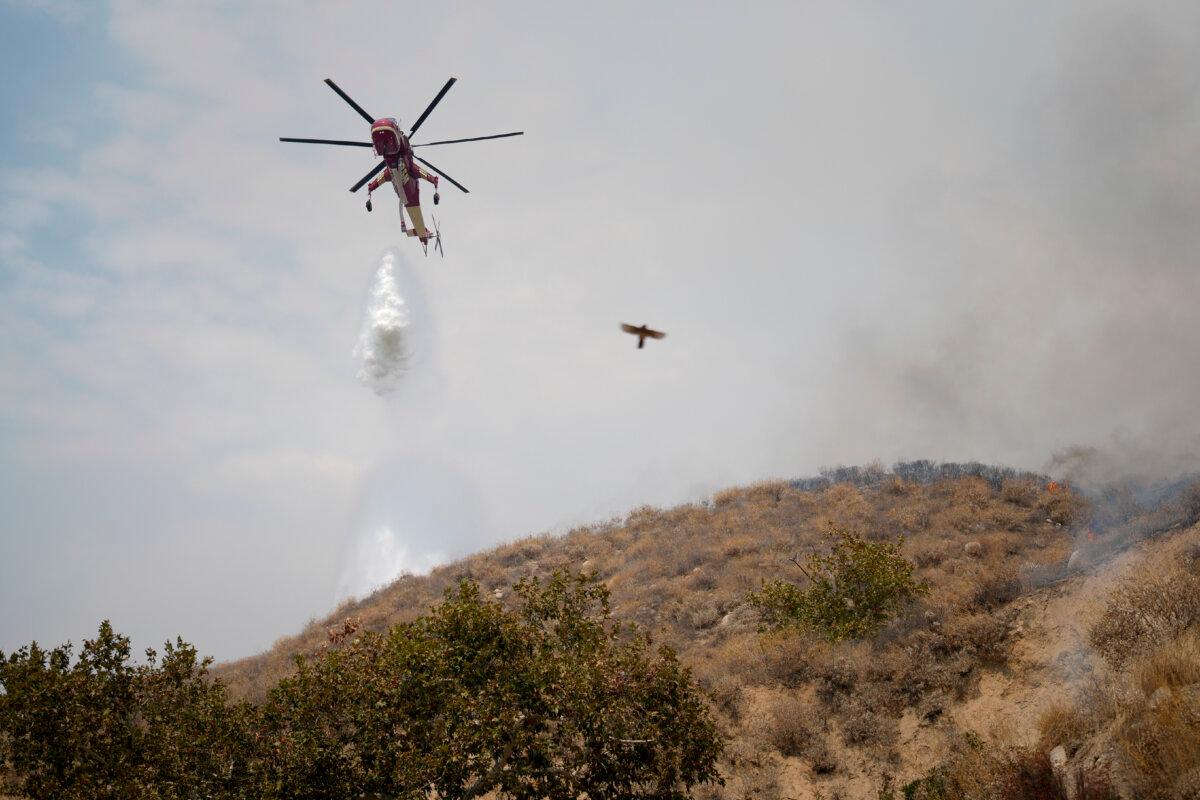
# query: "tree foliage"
548,701
852,591
105,728
551,699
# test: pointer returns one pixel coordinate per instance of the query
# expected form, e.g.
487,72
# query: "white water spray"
378,558
417,511
385,345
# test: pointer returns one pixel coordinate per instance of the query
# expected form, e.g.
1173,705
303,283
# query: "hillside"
1020,570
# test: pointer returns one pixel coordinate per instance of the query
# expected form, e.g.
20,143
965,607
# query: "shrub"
865,724
997,589
788,660
1029,775
821,758
981,637
1061,505
551,699
835,679
792,731
1020,492
726,694
1062,724
852,591
105,728
976,771
1158,737
1187,785
548,700
929,556
970,772
1175,665
1147,610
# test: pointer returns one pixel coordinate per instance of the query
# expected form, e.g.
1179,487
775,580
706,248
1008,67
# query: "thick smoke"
387,344
1049,292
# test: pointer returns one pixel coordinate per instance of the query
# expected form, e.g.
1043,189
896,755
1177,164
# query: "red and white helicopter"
399,165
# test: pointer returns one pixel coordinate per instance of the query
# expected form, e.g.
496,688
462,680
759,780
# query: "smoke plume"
1052,303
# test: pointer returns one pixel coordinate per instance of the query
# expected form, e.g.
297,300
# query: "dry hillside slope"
1001,638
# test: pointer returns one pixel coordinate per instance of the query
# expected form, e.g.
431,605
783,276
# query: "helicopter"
399,164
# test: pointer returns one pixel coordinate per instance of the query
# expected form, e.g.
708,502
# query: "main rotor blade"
443,174
368,176
346,97
472,139
326,141
431,106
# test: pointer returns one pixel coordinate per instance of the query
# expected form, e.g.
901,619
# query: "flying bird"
643,333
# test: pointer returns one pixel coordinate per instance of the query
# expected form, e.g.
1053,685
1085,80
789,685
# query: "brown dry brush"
1064,723
743,536
685,572
975,770
1150,608
1158,719
1149,707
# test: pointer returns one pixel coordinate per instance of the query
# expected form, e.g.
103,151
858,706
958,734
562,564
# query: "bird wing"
655,334
630,329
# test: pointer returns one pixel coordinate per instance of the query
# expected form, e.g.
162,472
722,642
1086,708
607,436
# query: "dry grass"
970,772
975,770
1063,723
1159,724
865,724
1160,743
684,574
997,589
1174,666
794,731
1146,709
1153,607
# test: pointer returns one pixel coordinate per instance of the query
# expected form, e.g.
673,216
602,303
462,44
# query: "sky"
871,230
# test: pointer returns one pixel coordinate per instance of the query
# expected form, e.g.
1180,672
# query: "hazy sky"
871,230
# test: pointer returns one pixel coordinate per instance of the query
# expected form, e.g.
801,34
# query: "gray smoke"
1048,294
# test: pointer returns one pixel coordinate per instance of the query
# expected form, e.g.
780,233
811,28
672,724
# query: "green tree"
852,591
551,700
105,728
